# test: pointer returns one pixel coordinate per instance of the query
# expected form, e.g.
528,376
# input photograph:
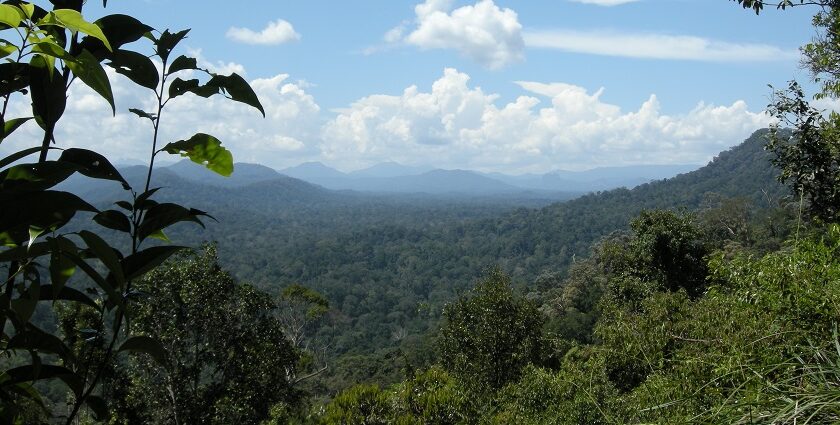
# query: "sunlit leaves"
88,69
74,21
206,150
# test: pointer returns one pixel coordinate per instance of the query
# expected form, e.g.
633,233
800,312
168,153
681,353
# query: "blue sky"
495,85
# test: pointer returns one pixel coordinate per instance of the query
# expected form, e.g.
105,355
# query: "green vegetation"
713,297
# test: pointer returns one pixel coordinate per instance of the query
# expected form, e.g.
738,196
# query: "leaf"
74,21
113,297
10,126
10,15
145,344
30,373
138,264
6,48
168,41
182,63
89,70
164,215
35,339
206,150
93,164
24,306
35,177
114,220
239,90
61,269
14,77
136,67
143,202
18,156
119,30
124,205
48,293
48,92
106,254
142,114
179,87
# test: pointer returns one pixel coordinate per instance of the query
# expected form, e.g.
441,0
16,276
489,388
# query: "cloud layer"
655,46
458,126
455,124
482,32
276,32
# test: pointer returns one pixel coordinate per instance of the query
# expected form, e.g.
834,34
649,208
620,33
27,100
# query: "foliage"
53,49
228,359
489,335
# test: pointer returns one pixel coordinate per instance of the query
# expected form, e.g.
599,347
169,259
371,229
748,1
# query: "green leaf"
89,70
114,298
93,164
106,254
24,306
164,215
160,235
113,219
18,156
47,210
138,264
206,150
145,344
182,63
10,15
35,177
74,21
136,67
10,126
239,90
7,48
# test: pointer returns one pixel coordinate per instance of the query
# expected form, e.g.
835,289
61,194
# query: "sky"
489,85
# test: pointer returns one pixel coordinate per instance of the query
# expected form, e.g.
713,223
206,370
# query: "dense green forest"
711,297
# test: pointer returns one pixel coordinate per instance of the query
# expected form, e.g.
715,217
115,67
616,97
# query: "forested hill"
389,263
378,261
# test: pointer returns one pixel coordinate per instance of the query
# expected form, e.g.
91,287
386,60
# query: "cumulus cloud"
454,124
604,2
285,137
277,32
656,46
482,32
550,126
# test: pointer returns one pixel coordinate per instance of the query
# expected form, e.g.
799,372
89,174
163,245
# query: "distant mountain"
243,174
596,179
390,169
317,173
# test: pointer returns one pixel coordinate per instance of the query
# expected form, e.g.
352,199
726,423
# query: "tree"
227,354
50,51
490,334
809,157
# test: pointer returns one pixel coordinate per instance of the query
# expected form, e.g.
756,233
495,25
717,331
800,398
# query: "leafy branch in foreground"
46,52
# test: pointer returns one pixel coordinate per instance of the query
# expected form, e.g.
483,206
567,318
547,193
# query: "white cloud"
458,126
277,32
455,124
285,137
482,32
607,3
655,46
